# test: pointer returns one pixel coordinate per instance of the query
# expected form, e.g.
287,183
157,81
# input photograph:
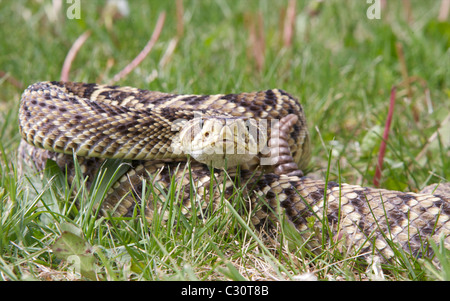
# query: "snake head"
223,141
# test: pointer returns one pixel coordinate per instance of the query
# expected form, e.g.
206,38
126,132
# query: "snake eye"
206,134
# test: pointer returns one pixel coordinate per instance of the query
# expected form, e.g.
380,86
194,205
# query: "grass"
339,64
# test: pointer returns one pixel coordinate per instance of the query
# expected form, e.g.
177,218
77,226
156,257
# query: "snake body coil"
96,122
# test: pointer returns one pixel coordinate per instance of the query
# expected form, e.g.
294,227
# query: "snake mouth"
220,151
219,135
228,147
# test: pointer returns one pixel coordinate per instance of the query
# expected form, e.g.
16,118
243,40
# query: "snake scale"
97,122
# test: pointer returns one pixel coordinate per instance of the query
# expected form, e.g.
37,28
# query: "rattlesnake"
96,122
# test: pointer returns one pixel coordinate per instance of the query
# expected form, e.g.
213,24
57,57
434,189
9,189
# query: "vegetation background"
337,61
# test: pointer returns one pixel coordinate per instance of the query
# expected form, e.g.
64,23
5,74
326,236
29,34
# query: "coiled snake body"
151,128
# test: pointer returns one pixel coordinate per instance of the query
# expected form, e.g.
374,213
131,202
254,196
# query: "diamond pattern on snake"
264,133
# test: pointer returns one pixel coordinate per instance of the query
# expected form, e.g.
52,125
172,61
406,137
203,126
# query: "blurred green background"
340,64
337,61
